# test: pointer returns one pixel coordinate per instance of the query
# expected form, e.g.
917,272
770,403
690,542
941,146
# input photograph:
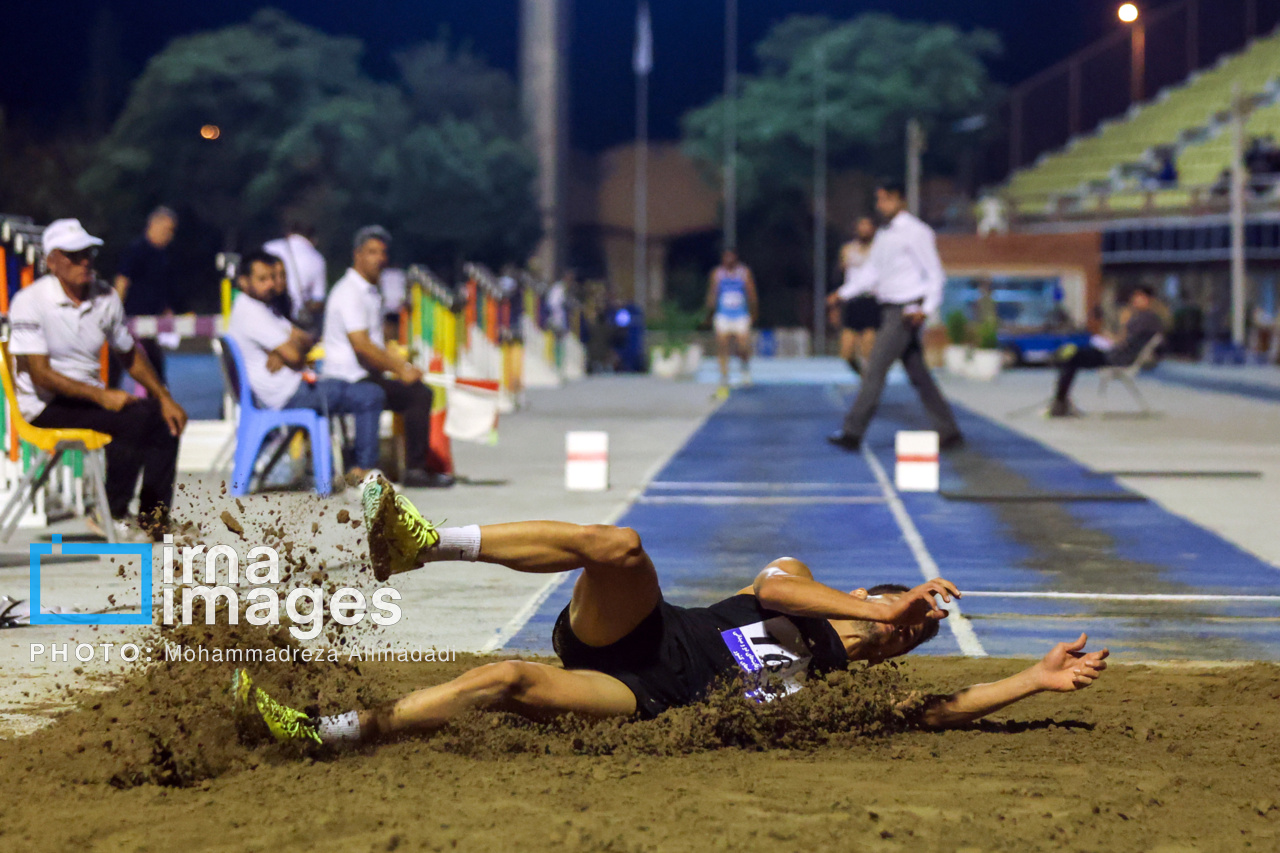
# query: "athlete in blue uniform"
732,297
627,652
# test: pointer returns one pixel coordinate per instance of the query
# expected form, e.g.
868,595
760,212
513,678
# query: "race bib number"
732,300
771,654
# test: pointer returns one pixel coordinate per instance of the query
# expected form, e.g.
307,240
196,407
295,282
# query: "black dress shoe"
417,478
844,441
952,442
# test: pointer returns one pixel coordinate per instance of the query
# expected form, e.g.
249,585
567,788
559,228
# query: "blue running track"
758,481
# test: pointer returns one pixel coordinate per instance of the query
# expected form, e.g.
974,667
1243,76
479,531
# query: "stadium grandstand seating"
1104,169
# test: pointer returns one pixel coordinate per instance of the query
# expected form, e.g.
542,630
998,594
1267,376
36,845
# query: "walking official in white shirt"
905,275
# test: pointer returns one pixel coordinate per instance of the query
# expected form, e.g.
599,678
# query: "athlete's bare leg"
723,344
533,690
864,342
849,349
742,343
617,589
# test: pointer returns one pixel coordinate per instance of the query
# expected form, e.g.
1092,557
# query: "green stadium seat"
1173,114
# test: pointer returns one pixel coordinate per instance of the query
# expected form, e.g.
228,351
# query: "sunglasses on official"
79,257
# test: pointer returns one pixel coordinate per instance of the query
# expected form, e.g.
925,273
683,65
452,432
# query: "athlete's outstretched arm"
1066,668
787,586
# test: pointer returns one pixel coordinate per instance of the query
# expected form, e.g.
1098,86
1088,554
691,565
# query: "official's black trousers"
412,401
140,442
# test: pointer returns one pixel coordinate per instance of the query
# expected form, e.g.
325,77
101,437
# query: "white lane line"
759,500
762,487
960,627
1120,596
530,607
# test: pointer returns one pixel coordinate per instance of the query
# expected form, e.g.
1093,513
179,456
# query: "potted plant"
676,354
987,360
956,356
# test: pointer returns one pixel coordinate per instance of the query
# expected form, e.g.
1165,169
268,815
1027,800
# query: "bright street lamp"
1138,52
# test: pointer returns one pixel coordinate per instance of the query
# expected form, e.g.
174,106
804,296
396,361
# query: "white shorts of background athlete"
731,325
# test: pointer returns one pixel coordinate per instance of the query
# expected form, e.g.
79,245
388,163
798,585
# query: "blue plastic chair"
255,424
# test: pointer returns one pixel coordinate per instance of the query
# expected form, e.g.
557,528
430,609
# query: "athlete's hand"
1067,667
919,604
914,319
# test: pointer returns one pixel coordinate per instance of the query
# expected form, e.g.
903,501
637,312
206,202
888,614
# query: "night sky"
46,46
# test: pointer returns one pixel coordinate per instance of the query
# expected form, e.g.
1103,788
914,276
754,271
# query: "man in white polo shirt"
59,324
355,351
275,358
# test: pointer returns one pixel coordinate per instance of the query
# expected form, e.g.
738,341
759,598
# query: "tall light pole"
643,65
820,202
1238,177
915,166
731,124
1137,51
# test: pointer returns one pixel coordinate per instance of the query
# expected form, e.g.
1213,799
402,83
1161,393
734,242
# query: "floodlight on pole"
1128,13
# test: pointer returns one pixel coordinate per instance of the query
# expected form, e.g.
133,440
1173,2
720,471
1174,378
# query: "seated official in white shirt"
355,351
275,359
59,324
904,273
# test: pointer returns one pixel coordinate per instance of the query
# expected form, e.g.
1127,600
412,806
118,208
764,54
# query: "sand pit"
1148,759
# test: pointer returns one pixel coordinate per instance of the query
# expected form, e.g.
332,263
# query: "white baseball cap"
68,235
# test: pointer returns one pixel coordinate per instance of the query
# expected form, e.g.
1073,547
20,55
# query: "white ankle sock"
456,543
342,728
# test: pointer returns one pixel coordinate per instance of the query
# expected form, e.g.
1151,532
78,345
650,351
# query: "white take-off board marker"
586,467
917,468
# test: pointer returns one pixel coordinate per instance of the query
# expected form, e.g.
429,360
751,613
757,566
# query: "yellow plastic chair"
50,444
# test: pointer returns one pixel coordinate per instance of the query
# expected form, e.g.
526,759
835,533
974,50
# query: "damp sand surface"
1151,758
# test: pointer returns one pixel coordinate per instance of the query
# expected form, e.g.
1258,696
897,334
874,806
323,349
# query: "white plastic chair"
1128,375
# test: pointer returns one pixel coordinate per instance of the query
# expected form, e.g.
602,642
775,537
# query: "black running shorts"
674,656
649,660
860,314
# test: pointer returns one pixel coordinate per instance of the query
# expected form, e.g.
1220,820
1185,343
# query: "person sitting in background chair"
1141,324
355,351
59,326
275,353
